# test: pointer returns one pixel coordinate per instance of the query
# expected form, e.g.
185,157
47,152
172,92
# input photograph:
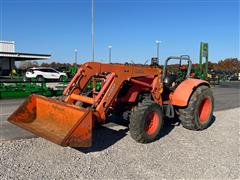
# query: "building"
8,57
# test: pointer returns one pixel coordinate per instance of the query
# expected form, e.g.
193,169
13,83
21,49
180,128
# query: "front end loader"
98,90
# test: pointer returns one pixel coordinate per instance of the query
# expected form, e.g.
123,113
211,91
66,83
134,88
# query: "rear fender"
184,91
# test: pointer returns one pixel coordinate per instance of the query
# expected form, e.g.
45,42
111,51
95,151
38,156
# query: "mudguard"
184,91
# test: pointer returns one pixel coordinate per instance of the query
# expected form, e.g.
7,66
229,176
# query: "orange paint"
205,110
152,123
69,125
181,95
81,98
55,121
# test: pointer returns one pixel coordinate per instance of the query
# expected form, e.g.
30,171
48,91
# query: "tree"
229,64
28,64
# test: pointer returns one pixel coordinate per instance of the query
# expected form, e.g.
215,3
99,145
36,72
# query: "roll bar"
183,57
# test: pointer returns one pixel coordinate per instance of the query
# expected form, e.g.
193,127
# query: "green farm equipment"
71,71
205,73
203,54
200,71
23,89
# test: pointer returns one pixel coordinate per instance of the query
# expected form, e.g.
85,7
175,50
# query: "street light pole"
110,53
76,56
93,31
158,48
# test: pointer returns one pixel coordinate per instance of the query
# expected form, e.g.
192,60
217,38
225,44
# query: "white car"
42,73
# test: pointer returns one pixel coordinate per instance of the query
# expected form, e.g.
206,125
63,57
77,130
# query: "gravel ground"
180,153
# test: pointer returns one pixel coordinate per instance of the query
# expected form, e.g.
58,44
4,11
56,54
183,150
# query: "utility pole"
76,56
93,31
110,53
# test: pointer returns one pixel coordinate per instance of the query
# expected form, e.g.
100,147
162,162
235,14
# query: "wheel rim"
205,109
151,123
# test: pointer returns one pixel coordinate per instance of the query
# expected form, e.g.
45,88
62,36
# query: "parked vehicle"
233,77
43,73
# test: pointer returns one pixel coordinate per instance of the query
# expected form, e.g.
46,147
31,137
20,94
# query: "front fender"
184,91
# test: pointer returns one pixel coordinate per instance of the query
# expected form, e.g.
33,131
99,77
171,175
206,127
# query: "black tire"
139,120
39,78
61,78
198,115
25,79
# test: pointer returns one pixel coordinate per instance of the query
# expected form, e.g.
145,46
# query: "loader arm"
68,123
117,74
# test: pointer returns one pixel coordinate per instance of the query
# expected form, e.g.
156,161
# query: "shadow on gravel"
168,126
104,137
212,121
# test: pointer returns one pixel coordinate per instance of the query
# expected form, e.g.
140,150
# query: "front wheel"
146,121
62,78
198,115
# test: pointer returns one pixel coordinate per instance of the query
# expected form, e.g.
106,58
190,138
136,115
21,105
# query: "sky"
58,27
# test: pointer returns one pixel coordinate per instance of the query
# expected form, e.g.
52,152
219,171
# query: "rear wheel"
62,78
146,121
198,114
25,79
40,78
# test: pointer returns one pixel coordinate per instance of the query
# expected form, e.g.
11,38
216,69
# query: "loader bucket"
55,121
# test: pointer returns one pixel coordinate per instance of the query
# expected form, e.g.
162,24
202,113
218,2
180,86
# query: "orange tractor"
147,91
